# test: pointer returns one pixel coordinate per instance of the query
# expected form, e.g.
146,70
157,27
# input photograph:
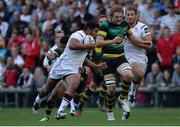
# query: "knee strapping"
110,82
123,67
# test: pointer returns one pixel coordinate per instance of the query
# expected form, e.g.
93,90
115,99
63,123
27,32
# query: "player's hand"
117,40
147,43
51,56
102,65
81,70
48,68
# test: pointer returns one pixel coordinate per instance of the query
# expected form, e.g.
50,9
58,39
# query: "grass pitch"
92,117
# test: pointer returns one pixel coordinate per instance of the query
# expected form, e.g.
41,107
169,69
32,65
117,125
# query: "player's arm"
76,45
94,65
102,34
146,43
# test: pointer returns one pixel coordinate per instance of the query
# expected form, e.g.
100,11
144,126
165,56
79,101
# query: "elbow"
73,47
98,44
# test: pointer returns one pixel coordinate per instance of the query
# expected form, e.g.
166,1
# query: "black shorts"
98,76
113,64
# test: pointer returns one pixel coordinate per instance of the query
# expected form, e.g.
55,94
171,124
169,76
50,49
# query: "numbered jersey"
139,30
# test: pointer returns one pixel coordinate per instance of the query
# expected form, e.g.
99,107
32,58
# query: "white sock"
133,88
63,105
38,99
72,105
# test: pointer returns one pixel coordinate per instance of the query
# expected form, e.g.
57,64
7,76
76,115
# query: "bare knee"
127,76
111,90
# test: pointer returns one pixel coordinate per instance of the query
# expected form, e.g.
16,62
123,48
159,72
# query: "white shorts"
142,60
58,71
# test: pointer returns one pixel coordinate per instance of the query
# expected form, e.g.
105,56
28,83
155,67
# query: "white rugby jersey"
70,60
139,30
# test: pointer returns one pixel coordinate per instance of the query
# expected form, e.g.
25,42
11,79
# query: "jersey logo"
146,30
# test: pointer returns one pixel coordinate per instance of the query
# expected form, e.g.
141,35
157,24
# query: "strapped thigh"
110,81
123,67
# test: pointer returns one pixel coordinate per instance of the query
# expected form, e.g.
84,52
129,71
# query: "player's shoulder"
125,23
54,47
78,34
105,24
143,27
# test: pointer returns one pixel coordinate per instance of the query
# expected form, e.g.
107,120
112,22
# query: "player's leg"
87,89
125,70
110,96
73,82
138,75
101,102
55,96
84,97
46,89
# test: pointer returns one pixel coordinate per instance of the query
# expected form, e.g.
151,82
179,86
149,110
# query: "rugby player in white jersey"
67,65
135,53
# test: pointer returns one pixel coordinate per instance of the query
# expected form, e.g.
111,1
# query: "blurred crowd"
27,31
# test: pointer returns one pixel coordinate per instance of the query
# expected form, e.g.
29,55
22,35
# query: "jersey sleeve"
146,31
103,29
129,30
78,36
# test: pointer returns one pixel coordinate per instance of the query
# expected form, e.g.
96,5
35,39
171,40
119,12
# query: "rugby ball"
88,39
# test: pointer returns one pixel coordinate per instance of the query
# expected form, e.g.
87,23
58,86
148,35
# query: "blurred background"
27,31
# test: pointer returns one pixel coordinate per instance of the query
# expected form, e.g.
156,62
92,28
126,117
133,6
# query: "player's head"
58,35
102,18
116,14
91,29
131,14
64,41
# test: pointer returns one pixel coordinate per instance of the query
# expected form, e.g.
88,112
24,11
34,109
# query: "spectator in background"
26,15
15,40
25,81
164,98
26,78
30,5
177,56
164,50
48,35
30,51
18,60
3,50
2,70
16,23
63,10
74,27
176,37
3,11
11,73
169,20
3,28
155,24
174,97
176,76
14,6
154,78
39,79
50,19
84,15
35,22
40,10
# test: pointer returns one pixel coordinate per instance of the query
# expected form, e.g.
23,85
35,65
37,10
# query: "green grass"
93,117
